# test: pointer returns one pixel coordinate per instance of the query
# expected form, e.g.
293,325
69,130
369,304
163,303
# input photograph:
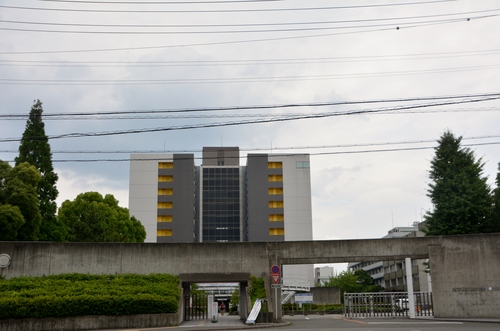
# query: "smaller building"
323,275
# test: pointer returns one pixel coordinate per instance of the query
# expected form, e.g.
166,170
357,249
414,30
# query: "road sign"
275,269
276,279
275,285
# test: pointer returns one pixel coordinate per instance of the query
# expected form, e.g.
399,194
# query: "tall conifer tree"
496,202
35,149
459,192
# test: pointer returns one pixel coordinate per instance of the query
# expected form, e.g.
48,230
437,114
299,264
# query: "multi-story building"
391,275
322,275
269,199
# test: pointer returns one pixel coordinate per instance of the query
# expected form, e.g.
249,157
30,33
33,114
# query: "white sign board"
303,298
254,313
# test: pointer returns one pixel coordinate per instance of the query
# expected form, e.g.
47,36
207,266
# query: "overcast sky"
114,56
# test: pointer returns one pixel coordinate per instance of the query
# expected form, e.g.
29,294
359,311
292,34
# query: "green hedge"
80,294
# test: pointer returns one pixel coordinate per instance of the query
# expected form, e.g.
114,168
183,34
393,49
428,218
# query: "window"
165,191
275,178
275,190
165,165
164,218
275,165
303,165
276,218
276,232
276,204
165,205
165,179
164,233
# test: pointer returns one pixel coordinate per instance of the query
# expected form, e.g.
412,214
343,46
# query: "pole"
409,285
276,304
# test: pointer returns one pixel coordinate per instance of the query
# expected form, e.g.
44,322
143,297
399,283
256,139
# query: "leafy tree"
19,215
35,149
94,218
353,282
459,191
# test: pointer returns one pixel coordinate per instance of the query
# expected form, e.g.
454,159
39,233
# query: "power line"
258,121
262,79
246,24
246,10
477,96
247,62
260,149
366,151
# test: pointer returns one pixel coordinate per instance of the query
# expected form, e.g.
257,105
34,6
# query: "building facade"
269,199
391,275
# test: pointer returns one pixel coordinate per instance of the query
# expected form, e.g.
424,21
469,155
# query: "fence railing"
381,304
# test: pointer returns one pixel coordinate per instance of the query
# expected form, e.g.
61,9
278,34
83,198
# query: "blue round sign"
275,269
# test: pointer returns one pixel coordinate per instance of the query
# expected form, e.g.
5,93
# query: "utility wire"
398,25
258,149
247,62
226,80
480,96
247,10
467,15
259,121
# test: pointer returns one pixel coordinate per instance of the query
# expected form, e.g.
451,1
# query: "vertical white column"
409,285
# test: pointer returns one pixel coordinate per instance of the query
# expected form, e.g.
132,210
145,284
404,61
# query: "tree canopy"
19,215
460,195
353,282
35,150
94,218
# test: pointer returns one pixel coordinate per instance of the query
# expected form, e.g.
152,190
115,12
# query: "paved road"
336,322
330,323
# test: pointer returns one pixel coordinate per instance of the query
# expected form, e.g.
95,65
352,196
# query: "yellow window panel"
164,218
165,205
276,218
164,233
275,165
165,165
275,190
166,191
165,179
275,178
276,204
276,232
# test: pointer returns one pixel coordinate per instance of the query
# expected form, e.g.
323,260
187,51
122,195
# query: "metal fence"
394,304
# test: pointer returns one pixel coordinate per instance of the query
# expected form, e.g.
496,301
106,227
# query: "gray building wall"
258,199
182,199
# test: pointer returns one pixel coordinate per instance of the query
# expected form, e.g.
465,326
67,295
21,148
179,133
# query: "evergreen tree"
496,202
35,149
459,192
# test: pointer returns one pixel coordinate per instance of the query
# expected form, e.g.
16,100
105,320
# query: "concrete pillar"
409,286
242,305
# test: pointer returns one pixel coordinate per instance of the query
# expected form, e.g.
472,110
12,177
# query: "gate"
195,307
394,304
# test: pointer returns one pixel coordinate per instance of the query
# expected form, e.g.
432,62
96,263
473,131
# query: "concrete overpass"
465,269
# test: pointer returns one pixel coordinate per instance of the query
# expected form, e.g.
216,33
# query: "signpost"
276,284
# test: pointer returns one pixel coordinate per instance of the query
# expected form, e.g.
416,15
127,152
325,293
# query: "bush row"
79,295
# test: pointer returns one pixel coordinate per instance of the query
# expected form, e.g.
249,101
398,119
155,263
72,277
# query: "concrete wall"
466,276
465,269
326,295
89,322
